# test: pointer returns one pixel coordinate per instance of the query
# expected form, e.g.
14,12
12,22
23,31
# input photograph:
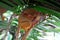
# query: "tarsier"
27,20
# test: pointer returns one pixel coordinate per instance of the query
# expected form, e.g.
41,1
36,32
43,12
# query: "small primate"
27,20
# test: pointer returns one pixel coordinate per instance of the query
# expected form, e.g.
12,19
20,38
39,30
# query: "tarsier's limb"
27,21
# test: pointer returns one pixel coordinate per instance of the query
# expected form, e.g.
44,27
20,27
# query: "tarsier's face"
30,14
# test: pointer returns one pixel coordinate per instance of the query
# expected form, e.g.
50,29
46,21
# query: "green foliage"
40,26
22,31
14,22
33,35
57,29
17,10
3,24
46,11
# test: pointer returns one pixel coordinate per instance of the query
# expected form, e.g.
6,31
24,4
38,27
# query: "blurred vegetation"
50,24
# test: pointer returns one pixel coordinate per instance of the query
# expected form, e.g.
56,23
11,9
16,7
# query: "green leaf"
46,11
